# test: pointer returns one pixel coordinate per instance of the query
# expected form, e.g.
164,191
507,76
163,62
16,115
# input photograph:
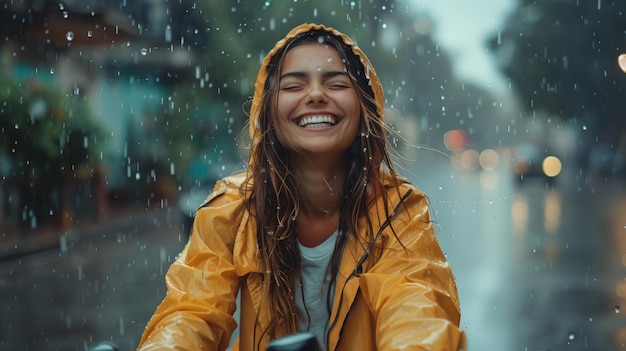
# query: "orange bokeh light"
455,139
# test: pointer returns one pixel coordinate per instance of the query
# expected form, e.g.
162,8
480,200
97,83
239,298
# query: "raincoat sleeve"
197,311
411,289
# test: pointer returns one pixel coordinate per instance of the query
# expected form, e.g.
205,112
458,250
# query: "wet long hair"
271,191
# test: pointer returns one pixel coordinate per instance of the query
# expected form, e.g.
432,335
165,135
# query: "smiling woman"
319,234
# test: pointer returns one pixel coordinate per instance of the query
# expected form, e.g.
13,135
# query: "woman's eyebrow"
303,74
294,74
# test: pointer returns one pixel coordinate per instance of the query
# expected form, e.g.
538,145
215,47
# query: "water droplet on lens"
69,36
617,309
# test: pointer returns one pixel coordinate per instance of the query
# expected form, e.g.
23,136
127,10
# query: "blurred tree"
46,137
561,59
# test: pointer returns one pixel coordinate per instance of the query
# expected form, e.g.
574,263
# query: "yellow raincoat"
406,300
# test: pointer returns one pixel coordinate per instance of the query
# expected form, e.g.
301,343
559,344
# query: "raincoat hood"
262,76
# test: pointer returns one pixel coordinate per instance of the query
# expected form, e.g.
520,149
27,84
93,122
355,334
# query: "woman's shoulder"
405,201
398,187
226,191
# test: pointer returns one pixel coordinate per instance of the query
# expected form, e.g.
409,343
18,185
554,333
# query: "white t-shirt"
313,310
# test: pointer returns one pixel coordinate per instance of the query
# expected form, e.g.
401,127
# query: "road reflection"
539,263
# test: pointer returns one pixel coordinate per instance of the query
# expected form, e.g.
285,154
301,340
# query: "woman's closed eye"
291,87
340,85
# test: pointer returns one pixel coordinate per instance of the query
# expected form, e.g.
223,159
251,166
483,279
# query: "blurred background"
117,117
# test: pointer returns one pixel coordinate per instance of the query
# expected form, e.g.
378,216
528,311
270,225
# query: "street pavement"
99,283
538,266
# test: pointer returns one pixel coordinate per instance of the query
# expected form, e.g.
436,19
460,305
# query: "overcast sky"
462,27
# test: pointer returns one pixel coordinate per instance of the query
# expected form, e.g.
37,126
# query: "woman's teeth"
317,121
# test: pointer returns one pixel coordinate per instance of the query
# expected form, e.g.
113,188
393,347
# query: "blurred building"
121,59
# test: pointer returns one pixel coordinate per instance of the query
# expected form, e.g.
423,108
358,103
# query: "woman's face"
318,106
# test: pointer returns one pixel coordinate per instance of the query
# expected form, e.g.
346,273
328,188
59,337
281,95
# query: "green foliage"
44,131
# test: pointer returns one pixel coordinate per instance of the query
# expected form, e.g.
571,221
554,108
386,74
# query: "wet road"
103,286
538,268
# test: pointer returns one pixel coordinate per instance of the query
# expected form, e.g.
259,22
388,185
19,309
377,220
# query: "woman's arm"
411,289
202,285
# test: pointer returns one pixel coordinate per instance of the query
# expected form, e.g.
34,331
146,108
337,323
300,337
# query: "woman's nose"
316,94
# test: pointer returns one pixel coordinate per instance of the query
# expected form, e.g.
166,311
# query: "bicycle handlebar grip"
294,342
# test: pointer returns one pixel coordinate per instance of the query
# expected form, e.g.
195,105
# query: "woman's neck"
320,186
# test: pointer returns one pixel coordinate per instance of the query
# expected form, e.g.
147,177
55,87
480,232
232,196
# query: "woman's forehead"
322,55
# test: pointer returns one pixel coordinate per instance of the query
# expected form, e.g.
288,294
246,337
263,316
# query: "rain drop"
617,309
144,51
69,36
168,33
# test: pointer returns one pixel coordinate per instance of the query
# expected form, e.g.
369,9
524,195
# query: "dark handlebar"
295,342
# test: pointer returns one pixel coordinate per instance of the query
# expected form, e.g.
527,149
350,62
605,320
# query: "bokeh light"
455,139
551,166
489,159
469,159
621,61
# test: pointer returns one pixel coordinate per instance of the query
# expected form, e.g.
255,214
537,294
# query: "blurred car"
533,160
